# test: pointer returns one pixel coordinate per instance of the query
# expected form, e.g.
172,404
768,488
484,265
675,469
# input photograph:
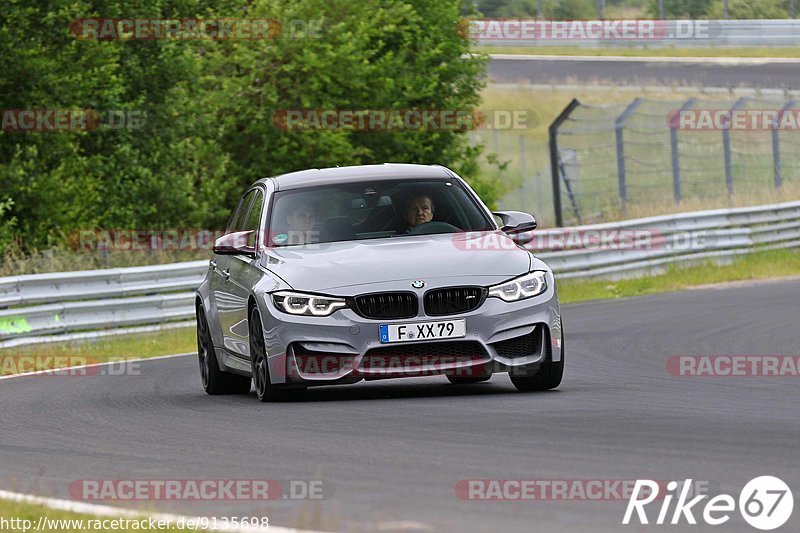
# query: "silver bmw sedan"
337,275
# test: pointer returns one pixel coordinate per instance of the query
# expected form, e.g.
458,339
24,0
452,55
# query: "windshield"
372,210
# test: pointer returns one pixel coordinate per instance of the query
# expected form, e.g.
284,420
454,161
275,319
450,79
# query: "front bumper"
345,348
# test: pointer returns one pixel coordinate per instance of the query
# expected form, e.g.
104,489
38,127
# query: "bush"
750,9
7,223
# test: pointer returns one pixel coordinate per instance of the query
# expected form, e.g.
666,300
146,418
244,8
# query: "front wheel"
214,380
265,390
547,377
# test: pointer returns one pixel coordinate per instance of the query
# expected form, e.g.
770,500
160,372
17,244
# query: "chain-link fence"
616,160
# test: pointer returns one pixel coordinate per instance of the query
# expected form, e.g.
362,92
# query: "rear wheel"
265,390
214,380
547,377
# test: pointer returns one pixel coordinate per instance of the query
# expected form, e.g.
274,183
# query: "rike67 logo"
766,503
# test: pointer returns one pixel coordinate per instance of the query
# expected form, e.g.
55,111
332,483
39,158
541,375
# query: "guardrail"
686,239
62,302
668,33
94,284
45,304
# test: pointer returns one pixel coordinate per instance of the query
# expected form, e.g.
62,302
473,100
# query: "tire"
214,380
265,390
455,380
546,378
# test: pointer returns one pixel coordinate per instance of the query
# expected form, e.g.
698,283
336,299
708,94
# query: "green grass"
32,512
112,348
642,52
754,266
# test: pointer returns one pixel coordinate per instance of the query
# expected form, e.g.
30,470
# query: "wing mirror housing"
517,225
235,243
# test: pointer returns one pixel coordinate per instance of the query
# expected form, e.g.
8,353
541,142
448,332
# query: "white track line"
106,510
642,59
93,365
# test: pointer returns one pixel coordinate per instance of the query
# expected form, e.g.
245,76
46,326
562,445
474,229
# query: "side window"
232,220
254,219
237,219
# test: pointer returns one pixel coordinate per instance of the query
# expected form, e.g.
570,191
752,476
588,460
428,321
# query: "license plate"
445,329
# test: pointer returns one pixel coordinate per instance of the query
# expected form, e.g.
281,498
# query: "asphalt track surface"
648,72
393,451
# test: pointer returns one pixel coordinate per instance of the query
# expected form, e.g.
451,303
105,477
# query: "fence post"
555,167
776,144
538,192
619,125
673,142
726,146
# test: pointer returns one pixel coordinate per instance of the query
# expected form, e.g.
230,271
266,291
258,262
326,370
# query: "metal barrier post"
726,146
555,167
619,125
776,144
673,141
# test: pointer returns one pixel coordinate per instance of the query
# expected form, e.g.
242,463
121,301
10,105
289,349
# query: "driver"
419,209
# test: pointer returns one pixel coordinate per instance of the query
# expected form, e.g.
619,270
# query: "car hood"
344,268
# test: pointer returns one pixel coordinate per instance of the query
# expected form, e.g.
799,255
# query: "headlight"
296,303
520,288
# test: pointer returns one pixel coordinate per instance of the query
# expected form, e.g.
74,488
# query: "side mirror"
515,222
517,225
235,243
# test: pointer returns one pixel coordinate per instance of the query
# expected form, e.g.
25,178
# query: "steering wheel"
434,226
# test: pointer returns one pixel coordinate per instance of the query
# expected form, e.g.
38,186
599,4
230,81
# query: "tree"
209,106
370,55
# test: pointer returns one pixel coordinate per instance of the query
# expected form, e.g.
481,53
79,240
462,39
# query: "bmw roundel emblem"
418,284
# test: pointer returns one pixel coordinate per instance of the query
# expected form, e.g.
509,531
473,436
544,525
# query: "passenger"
301,222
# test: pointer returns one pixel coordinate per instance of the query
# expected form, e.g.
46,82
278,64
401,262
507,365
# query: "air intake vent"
387,305
453,300
522,346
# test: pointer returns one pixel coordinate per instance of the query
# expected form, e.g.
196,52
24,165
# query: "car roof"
329,176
